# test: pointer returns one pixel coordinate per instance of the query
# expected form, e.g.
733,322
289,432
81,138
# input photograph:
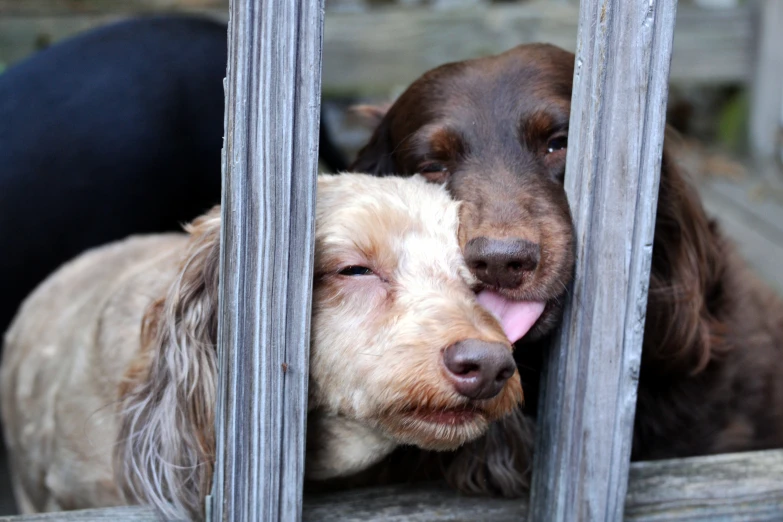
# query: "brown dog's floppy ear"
376,157
371,115
164,455
499,463
685,278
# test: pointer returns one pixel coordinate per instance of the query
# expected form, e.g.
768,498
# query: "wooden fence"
738,44
398,44
273,94
588,396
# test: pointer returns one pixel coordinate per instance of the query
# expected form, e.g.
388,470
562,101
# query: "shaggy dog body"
109,370
494,132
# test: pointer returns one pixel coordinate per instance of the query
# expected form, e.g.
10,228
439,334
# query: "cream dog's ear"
166,443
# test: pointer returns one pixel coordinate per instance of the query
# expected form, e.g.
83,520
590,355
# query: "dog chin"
448,426
437,430
343,447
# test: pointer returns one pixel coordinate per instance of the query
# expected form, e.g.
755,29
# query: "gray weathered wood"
115,514
270,162
728,488
15,7
397,45
766,108
755,226
588,395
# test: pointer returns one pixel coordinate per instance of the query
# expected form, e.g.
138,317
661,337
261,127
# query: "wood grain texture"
399,44
766,110
732,487
270,163
588,395
751,215
725,488
50,7
721,488
115,514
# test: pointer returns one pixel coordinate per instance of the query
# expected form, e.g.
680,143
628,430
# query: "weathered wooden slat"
115,514
755,226
270,162
588,395
419,503
766,111
397,45
727,488
69,7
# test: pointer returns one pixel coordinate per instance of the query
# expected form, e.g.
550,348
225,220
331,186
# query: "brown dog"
494,132
109,370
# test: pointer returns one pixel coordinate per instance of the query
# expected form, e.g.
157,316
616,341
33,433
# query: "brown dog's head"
494,130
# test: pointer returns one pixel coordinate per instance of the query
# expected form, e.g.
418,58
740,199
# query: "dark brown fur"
712,369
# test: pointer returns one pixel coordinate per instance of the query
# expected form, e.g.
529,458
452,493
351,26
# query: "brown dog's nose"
501,263
478,369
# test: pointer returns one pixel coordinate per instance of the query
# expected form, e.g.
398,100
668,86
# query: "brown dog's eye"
355,270
556,143
436,172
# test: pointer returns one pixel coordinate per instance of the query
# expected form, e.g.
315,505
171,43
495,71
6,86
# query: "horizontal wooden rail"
398,44
730,487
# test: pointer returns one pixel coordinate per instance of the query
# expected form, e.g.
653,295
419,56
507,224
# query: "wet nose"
478,369
501,263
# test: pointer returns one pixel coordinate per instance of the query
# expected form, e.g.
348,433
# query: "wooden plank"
398,44
766,108
588,396
114,514
270,166
729,488
726,488
756,227
410,503
70,7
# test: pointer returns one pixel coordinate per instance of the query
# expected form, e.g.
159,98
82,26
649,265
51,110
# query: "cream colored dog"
109,370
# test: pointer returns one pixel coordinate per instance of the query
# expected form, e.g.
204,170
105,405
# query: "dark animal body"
494,130
114,132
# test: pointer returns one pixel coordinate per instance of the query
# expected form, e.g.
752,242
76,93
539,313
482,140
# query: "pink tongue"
516,317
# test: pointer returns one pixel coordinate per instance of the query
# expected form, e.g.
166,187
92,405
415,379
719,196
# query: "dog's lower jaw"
339,446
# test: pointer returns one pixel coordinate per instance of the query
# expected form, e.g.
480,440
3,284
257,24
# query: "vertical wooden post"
270,165
766,111
612,175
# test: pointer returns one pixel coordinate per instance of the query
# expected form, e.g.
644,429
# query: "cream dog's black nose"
478,369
